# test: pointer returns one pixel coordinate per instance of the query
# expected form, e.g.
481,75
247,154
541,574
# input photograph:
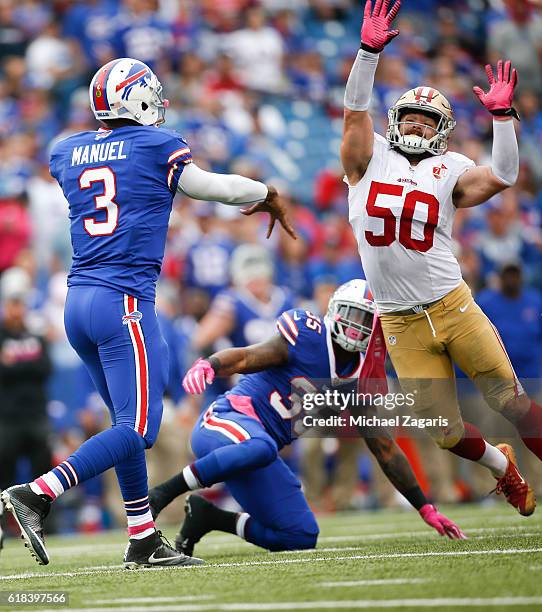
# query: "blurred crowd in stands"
255,88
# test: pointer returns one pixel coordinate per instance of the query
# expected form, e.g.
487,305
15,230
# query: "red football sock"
471,446
530,429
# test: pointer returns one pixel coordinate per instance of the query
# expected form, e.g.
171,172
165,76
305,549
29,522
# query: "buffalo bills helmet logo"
139,75
132,317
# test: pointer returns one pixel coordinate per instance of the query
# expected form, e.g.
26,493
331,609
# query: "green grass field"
363,561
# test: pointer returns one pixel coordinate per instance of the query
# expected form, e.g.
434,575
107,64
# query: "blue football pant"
119,340
236,449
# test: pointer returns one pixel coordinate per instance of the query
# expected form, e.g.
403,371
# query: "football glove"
441,523
498,100
198,376
375,32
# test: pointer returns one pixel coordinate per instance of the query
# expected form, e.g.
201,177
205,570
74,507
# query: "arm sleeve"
226,188
357,94
505,153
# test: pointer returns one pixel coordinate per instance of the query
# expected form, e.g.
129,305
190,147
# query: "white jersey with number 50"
402,218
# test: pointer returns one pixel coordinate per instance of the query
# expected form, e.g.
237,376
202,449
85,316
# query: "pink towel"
372,378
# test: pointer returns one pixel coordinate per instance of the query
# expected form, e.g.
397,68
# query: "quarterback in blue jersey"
237,439
120,182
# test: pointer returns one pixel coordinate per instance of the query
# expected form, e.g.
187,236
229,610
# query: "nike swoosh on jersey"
296,316
463,308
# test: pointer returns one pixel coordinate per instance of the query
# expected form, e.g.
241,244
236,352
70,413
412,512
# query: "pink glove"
197,376
441,523
375,32
498,100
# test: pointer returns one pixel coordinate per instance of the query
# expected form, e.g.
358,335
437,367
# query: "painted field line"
361,604
150,599
94,569
375,582
208,545
213,545
422,532
211,566
354,548
497,531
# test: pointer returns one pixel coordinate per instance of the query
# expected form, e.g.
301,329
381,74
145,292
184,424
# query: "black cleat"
197,523
155,551
29,510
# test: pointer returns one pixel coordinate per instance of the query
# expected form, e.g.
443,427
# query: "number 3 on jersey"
106,176
407,216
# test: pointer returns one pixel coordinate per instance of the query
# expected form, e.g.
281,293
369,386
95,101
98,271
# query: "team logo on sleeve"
440,171
134,317
392,340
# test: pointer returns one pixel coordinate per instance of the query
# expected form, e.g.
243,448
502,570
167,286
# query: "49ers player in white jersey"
403,193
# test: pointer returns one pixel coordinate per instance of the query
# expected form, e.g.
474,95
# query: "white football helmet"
127,89
350,314
250,261
424,100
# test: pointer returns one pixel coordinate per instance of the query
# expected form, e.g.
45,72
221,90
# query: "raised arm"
235,190
358,136
244,360
479,184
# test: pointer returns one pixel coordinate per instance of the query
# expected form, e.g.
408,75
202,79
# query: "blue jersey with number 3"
311,365
119,185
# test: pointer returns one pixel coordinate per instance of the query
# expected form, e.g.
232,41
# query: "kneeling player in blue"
238,438
120,182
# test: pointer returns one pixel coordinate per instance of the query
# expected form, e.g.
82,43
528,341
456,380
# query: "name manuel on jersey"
100,152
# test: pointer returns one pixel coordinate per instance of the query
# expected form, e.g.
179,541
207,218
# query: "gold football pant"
423,347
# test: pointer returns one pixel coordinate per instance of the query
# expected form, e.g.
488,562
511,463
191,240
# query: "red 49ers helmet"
428,101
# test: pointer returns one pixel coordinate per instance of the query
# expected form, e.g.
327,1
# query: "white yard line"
361,604
427,532
375,582
211,566
215,543
149,599
352,548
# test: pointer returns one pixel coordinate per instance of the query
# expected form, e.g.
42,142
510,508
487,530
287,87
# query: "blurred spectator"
24,370
49,58
518,37
50,222
333,259
140,33
15,230
502,240
516,311
13,38
258,51
292,268
90,25
207,261
247,313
